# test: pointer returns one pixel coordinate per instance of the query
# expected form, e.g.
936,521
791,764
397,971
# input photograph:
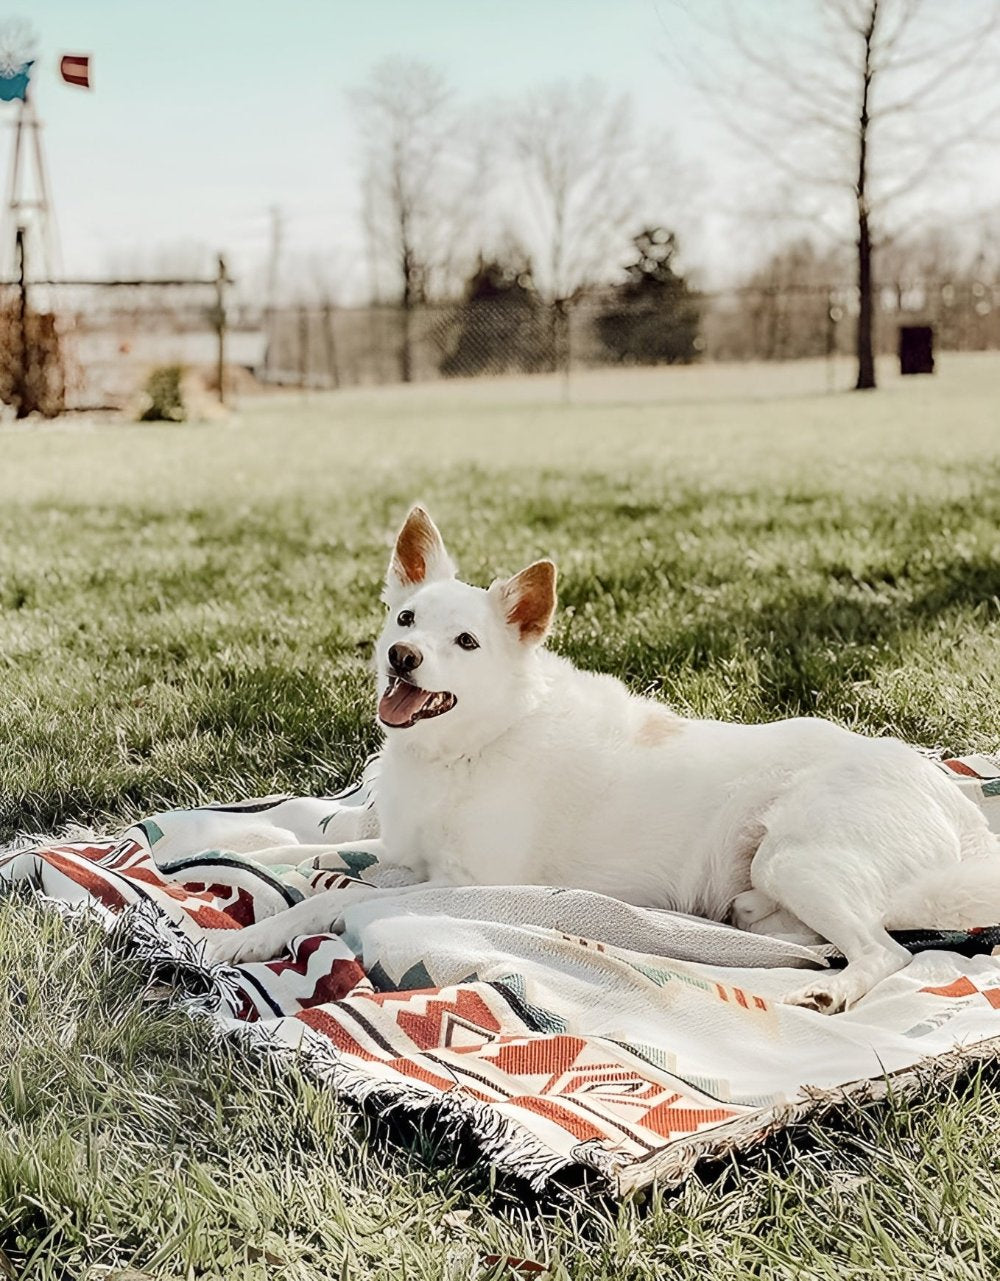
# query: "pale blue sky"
207,112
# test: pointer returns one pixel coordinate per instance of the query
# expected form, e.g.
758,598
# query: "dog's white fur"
544,774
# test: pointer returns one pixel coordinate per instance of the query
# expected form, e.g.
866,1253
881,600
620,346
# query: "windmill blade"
18,45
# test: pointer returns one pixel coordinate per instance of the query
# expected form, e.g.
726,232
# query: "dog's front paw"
260,942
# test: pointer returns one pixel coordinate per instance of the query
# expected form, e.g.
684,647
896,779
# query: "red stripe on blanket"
341,979
576,1125
960,987
99,886
240,910
210,918
666,1120
334,1031
66,859
424,1027
538,1056
408,1067
322,1022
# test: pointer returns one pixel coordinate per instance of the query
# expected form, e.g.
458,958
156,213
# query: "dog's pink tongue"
400,703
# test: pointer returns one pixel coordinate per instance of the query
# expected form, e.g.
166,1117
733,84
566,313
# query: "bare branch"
908,12
964,134
930,52
875,113
419,179
809,86
577,159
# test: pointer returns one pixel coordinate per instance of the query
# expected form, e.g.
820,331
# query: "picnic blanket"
563,1031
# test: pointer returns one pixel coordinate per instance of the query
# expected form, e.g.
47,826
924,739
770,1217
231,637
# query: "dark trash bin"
916,349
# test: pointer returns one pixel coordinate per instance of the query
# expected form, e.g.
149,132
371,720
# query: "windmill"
27,216
28,201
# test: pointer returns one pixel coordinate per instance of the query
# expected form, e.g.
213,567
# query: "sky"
205,114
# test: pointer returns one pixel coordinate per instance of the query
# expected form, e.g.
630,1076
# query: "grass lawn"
186,614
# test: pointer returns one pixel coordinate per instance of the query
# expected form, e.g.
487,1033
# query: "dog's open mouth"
403,704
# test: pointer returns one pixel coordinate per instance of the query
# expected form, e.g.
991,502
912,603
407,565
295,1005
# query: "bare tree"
872,100
576,155
582,189
416,183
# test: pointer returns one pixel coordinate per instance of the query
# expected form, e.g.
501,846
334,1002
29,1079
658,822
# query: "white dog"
504,764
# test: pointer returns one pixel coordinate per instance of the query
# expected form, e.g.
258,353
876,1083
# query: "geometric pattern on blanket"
560,1029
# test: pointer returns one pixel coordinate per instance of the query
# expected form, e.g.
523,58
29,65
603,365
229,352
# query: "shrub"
32,376
500,327
165,395
651,319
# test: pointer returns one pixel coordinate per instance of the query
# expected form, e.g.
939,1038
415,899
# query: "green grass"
186,614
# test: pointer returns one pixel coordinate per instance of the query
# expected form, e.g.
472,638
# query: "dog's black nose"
404,658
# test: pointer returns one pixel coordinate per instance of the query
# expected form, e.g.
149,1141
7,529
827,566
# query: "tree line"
851,111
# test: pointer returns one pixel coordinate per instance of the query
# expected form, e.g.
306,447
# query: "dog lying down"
505,765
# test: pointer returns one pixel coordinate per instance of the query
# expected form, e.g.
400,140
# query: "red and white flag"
75,69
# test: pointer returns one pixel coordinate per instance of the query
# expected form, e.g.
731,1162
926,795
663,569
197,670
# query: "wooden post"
303,347
567,352
331,344
831,339
220,327
22,398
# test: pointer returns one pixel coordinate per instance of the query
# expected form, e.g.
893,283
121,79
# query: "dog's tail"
962,896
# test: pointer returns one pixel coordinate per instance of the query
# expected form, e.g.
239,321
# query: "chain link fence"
93,344
318,347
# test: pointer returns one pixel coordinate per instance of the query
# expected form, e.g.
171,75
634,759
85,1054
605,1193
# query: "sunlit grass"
186,614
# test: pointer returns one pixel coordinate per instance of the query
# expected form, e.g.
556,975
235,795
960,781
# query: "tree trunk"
405,316
866,301
405,344
866,307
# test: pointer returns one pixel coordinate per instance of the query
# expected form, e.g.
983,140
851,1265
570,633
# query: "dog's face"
450,655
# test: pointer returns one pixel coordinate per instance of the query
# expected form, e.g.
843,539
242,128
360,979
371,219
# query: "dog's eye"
405,618
467,641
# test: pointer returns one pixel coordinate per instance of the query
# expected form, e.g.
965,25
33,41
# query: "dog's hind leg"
820,886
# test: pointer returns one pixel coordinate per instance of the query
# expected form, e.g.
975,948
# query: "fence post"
21,399
566,312
406,340
303,347
220,327
331,344
831,339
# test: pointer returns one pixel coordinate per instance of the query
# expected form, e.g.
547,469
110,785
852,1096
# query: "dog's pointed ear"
419,556
528,600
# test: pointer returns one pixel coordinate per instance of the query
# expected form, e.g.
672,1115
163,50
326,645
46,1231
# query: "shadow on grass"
804,643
